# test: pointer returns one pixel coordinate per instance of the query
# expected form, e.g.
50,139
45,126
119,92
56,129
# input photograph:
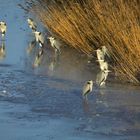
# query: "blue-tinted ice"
45,103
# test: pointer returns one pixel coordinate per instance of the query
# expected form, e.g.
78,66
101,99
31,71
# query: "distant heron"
101,78
32,24
104,66
55,44
87,88
39,38
105,51
3,28
100,55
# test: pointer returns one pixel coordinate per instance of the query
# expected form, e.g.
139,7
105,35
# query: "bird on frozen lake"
55,44
105,51
32,24
87,88
100,55
101,78
104,66
3,28
39,38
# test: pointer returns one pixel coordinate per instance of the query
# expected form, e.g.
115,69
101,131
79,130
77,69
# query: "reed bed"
88,24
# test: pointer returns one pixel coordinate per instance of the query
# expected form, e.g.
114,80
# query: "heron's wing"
3,28
100,77
41,38
57,46
105,66
86,89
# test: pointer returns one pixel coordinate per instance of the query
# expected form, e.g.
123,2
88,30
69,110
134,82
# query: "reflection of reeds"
88,24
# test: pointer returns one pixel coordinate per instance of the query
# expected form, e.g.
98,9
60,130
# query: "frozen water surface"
46,104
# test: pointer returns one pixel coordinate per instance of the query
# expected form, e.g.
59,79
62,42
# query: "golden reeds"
88,24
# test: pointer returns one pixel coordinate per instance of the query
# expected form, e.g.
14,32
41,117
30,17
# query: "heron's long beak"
107,71
100,60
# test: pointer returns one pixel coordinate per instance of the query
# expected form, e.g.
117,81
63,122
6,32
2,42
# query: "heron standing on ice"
100,55
55,44
87,88
39,38
105,51
104,66
32,24
101,78
103,74
3,28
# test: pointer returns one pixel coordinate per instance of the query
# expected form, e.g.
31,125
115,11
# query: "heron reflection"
38,58
31,46
2,50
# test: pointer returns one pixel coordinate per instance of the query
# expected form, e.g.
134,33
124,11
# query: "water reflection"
86,107
53,65
2,50
31,46
68,64
38,57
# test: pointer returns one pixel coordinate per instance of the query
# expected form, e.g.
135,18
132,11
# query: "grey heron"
87,88
32,24
101,78
39,38
3,28
55,44
100,55
104,66
105,51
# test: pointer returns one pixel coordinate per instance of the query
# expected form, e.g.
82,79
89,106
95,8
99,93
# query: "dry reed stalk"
88,24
